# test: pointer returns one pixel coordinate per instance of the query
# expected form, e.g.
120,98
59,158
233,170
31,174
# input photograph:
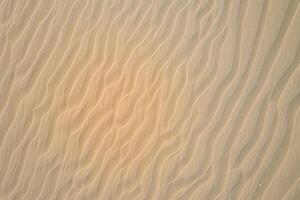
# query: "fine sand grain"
149,99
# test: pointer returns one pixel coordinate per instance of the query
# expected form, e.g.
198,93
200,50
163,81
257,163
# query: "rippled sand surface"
149,99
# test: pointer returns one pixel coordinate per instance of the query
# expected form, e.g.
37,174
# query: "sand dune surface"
149,99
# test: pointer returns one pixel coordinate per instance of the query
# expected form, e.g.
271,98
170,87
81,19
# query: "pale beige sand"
149,99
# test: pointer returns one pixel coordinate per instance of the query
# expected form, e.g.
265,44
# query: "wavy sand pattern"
149,99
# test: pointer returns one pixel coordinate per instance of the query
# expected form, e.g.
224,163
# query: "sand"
149,99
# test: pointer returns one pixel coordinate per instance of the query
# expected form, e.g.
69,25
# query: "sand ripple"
149,99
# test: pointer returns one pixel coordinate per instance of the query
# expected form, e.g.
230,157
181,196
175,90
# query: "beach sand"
149,99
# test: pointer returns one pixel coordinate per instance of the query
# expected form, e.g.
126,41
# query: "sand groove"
149,99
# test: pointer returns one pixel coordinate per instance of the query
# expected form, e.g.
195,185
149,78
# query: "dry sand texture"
149,99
